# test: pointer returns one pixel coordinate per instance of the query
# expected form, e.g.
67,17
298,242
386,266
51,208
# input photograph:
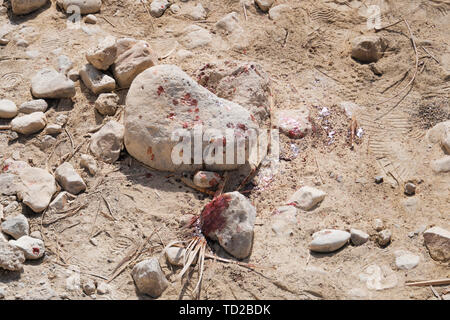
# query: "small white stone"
378,225
107,103
437,241
61,201
107,143
328,240
53,129
89,163
264,5
307,198
197,12
358,237
64,64
183,54
89,287
91,19
405,260
158,7
149,277
103,288
31,247
8,109
384,237
49,83
206,179
441,165
69,179
279,12
175,256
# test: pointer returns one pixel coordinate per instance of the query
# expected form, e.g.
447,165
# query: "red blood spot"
153,157
252,117
171,115
175,102
230,125
242,126
212,182
148,175
185,125
36,251
197,110
197,118
160,90
5,168
211,218
292,204
296,133
149,150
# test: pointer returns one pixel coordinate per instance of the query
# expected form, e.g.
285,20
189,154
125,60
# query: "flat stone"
107,143
378,224
37,188
284,221
20,7
197,12
437,241
96,81
64,64
91,19
306,198
11,258
29,124
358,237
28,107
50,84
16,226
61,202
405,260
32,248
8,109
149,278
328,240
69,179
410,189
379,278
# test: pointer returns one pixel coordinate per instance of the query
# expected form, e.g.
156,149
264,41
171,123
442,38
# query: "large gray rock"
133,57
437,241
16,226
230,219
96,81
149,278
20,7
29,124
32,248
368,49
69,179
50,84
107,143
9,184
11,258
307,198
85,6
8,109
328,240
162,102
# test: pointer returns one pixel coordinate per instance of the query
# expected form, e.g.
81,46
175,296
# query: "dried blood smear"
211,218
36,251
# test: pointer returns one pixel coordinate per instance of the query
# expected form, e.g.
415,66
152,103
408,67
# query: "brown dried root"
353,128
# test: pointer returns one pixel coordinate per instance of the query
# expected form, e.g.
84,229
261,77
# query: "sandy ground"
308,58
